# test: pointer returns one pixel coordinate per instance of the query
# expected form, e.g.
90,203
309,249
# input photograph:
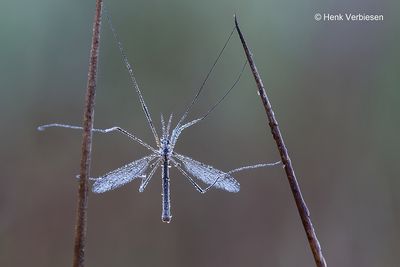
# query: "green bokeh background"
334,88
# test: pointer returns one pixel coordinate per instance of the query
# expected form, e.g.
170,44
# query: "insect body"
164,155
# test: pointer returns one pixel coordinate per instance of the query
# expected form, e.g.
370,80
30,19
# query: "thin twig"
273,124
80,228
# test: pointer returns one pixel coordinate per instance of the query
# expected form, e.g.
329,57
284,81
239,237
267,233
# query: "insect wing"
209,175
121,176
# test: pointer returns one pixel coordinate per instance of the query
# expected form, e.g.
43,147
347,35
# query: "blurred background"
334,87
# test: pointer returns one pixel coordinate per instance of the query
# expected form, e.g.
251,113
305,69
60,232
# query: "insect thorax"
165,148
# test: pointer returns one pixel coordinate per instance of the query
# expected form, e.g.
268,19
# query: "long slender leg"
261,165
133,79
97,178
177,165
198,187
179,128
146,181
112,129
241,169
204,81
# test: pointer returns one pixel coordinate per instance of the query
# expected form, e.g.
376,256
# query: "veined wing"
208,174
123,175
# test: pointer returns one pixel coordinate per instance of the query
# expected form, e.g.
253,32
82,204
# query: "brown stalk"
294,186
81,212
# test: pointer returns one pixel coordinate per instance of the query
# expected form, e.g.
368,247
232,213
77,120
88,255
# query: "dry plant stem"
80,227
301,205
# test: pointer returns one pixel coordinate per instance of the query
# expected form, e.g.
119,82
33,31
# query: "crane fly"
164,154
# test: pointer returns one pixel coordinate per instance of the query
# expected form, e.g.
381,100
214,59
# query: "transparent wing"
208,174
121,176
